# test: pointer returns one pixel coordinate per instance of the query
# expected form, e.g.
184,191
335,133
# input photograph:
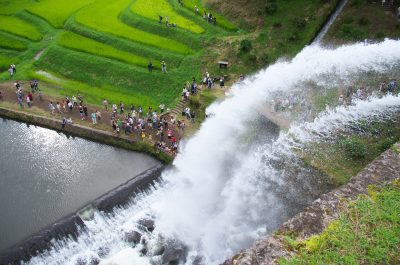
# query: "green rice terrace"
104,47
101,49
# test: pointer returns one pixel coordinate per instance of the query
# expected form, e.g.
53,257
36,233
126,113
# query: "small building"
223,65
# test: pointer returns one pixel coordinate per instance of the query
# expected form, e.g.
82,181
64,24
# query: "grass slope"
8,42
56,12
367,232
109,23
221,21
151,9
80,43
19,27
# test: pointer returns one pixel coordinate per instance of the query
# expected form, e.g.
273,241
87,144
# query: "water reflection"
45,175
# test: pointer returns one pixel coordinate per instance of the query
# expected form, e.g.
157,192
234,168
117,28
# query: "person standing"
51,107
162,107
28,101
222,82
11,72
14,68
150,66
163,67
105,104
81,113
94,116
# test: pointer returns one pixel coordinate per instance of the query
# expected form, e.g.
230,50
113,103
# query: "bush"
363,21
348,20
357,2
352,33
266,59
380,35
294,37
245,46
354,148
299,22
387,143
271,8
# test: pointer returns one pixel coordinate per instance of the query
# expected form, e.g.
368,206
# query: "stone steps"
177,111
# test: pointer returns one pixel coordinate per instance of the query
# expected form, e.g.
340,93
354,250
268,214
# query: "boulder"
147,223
133,237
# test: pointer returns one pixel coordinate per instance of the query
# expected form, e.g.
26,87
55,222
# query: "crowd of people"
156,125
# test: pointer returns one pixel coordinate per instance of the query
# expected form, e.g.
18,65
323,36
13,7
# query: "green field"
19,27
101,49
151,9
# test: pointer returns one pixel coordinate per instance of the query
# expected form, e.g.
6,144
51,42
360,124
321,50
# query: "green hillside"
101,48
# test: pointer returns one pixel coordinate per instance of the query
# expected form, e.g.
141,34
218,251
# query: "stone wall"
314,219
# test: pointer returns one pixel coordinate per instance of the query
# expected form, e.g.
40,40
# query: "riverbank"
96,135
320,214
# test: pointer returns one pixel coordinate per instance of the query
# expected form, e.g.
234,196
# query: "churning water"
229,186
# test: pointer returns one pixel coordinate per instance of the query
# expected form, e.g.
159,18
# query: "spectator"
163,67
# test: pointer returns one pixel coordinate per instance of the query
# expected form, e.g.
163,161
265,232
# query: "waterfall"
226,189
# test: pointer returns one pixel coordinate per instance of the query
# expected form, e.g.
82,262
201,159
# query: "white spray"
215,199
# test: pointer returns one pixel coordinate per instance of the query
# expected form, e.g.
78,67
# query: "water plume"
224,192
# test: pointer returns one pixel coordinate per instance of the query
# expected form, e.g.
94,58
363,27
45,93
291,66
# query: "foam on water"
224,192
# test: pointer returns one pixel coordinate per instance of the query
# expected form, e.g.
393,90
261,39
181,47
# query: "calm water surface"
45,175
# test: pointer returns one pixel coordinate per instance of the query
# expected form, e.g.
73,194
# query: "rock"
174,254
103,251
91,260
148,224
133,237
158,250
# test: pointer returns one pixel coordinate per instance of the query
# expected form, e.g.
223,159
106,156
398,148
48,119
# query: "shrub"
363,21
352,33
348,20
293,37
387,143
357,2
194,103
266,59
354,148
299,22
271,8
245,46
380,35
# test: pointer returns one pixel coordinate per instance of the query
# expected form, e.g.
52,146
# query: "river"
46,175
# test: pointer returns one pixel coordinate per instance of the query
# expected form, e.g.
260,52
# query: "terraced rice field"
101,48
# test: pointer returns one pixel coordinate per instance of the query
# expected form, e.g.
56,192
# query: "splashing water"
225,192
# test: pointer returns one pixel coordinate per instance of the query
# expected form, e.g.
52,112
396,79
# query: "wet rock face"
321,212
91,260
133,237
147,223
